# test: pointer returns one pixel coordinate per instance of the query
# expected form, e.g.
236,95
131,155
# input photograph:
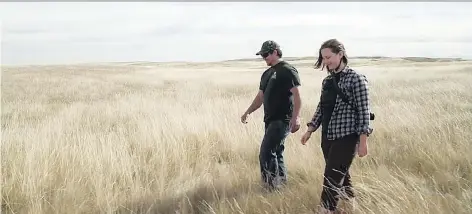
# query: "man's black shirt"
276,83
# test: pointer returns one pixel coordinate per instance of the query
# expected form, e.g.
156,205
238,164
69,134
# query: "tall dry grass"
166,138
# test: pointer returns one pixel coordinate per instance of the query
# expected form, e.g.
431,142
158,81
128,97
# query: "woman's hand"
362,147
305,137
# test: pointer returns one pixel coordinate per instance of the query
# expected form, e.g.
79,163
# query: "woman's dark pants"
338,155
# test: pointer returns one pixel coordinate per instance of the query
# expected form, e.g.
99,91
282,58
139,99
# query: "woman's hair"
336,47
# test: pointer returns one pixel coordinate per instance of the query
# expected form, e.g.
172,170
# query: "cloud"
68,32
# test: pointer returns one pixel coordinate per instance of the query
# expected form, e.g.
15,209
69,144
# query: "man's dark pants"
338,155
271,158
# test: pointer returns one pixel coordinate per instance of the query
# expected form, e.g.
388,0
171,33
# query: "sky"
51,33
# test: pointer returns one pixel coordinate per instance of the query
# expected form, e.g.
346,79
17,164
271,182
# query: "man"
278,91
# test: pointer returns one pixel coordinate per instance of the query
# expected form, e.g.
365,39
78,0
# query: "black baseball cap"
268,46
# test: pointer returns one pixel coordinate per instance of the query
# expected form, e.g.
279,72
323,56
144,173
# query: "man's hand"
305,137
244,118
362,147
256,104
294,124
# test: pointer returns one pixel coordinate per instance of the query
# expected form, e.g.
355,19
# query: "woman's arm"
361,100
315,121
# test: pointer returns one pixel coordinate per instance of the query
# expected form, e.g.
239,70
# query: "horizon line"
288,58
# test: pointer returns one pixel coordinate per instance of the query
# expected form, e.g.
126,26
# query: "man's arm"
292,80
297,102
256,103
259,99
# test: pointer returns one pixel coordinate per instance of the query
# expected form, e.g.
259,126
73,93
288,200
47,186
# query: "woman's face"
330,59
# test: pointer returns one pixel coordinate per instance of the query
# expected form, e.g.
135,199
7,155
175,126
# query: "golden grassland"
143,137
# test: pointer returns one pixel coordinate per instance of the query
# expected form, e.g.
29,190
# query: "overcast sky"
39,33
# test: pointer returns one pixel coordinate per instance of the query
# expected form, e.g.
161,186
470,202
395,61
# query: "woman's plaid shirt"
345,120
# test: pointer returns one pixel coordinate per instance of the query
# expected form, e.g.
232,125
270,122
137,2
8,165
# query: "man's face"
269,57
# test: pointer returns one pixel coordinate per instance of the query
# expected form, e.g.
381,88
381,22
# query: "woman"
344,122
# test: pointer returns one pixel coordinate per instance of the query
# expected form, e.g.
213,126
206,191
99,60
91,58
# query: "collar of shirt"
345,71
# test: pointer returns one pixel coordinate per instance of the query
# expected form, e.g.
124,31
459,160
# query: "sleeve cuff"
366,131
311,124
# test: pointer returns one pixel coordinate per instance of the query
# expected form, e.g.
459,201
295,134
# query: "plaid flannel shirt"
345,120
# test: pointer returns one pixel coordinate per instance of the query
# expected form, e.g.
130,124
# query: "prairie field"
145,137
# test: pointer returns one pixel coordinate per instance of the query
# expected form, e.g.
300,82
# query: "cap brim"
258,53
